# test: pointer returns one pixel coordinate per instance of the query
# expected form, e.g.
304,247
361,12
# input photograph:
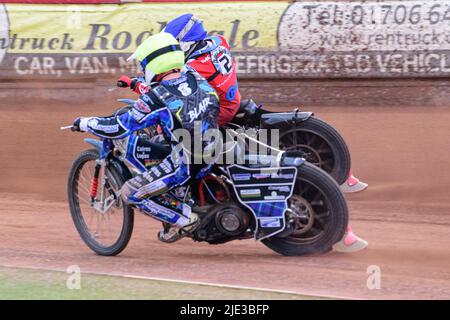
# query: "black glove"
76,125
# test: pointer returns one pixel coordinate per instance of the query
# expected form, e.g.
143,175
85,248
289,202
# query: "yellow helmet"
159,53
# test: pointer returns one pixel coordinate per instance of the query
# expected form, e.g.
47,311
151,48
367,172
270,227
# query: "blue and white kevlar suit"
180,103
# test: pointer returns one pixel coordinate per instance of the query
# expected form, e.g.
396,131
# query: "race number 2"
225,63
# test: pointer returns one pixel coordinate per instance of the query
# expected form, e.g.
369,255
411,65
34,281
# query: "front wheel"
317,215
105,224
320,144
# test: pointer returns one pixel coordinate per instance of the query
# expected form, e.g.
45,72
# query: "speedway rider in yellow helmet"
177,99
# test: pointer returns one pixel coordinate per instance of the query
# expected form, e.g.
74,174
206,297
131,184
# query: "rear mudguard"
119,165
283,119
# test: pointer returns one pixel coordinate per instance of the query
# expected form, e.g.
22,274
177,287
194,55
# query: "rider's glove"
127,82
138,85
124,82
81,124
76,125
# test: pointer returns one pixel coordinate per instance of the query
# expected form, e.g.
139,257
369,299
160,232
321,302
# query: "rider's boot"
178,218
353,184
172,233
350,242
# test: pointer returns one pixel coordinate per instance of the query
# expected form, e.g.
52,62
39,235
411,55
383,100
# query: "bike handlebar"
72,128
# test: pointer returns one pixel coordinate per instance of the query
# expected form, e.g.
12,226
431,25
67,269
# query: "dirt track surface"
403,153
413,258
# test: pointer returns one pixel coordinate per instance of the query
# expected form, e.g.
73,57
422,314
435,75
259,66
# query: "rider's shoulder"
217,41
191,72
221,41
153,87
209,44
156,94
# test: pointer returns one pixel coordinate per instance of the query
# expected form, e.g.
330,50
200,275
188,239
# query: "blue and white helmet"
187,29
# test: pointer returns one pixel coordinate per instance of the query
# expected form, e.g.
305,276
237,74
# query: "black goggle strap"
159,52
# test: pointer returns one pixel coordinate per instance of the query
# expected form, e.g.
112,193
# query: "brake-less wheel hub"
301,214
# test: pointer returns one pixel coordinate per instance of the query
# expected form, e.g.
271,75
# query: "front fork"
103,204
94,184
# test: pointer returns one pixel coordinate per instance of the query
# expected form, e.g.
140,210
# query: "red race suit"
215,64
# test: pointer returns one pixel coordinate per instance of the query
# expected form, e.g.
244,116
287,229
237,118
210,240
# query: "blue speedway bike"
286,203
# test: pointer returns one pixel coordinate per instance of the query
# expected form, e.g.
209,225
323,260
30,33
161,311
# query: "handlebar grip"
122,84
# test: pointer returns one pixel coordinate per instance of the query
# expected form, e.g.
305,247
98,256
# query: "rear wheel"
317,213
320,144
106,233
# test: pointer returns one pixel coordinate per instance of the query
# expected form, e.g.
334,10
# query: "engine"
232,220
223,223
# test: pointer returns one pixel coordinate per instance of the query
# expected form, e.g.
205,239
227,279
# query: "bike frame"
268,209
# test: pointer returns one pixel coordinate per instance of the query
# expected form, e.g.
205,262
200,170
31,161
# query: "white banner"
366,26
